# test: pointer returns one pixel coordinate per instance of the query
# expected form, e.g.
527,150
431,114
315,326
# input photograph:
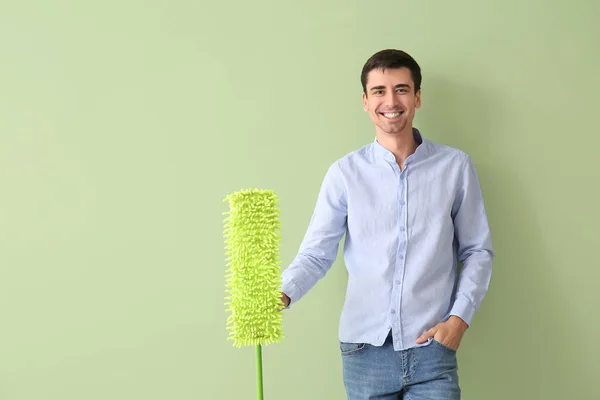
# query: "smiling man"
411,210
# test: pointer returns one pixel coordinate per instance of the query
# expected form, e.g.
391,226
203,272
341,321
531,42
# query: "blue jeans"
420,373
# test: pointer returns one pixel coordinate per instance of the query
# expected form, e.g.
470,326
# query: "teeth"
391,115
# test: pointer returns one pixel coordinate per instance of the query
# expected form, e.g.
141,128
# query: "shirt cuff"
464,310
291,290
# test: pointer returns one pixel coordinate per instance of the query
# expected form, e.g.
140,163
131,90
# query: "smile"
393,115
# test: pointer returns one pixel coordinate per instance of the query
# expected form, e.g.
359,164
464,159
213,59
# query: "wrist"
285,299
458,322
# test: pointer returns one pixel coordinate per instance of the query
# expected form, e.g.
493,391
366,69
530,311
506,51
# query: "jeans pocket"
443,346
351,348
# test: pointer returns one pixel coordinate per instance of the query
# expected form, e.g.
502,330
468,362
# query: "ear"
418,99
365,102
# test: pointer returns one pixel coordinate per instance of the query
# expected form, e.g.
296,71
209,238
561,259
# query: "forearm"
473,284
303,274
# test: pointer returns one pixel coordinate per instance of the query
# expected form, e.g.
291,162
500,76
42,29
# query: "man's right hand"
285,299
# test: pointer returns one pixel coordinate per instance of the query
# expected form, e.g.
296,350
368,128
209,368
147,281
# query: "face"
391,100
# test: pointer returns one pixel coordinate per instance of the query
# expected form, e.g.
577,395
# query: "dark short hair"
391,59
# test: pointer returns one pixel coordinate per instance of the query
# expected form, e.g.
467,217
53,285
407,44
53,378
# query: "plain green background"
123,124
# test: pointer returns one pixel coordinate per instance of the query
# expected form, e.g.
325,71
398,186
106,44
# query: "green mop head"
254,276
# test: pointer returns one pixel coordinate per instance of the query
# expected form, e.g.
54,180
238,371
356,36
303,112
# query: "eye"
402,90
378,92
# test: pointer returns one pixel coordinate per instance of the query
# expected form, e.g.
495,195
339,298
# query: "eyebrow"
402,85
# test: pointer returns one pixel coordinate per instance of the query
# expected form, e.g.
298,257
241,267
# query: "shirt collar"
422,149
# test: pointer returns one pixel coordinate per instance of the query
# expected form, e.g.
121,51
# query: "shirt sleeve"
319,247
474,251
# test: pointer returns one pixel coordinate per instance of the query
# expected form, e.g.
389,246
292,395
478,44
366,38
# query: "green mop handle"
259,379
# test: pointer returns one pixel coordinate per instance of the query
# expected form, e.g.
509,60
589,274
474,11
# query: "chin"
394,131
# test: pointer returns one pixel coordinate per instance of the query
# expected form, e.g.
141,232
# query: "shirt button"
397,282
402,229
402,202
401,257
393,311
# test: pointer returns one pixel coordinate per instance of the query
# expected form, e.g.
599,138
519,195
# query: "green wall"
123,124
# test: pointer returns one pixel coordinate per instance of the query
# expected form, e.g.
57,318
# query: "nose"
391,99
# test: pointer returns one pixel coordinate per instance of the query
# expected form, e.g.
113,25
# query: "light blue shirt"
406,232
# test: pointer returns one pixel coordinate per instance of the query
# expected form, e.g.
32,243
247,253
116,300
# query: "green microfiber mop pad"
253,278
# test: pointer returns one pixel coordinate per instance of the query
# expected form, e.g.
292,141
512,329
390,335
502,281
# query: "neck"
401,145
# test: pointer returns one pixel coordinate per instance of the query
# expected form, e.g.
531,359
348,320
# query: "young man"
411,210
